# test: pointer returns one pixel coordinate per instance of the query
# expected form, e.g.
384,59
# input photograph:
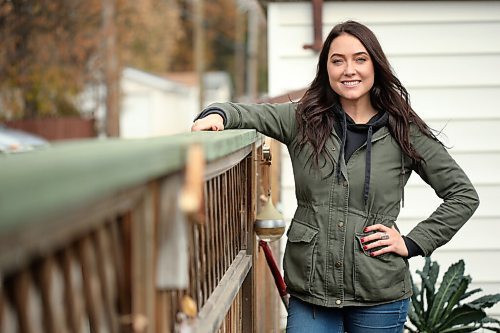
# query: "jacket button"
338,264
333,148
341,224
338,302
345,183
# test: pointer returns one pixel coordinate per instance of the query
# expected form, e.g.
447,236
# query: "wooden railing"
93,238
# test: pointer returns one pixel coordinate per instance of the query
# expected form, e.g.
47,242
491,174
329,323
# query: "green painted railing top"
46,181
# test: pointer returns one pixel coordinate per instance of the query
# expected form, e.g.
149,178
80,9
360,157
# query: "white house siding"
447,54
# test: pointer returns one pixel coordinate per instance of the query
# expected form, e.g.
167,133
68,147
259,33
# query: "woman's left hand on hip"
385,239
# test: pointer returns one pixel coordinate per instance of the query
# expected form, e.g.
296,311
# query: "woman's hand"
212,122
389,238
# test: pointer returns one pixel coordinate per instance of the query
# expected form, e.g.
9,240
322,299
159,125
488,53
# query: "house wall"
447,54
154,106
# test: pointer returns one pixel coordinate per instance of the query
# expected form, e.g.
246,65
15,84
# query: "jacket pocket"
299,257
380,278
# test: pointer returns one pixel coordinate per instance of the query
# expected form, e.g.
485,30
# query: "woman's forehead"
346,44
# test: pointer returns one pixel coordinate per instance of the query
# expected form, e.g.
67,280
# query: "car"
15,141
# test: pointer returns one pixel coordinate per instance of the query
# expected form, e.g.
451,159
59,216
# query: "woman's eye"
337,61
361,60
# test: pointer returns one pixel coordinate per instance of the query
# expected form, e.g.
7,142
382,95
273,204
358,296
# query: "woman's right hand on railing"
212,122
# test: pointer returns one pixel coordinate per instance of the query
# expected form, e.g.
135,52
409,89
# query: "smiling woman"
351,76
354,140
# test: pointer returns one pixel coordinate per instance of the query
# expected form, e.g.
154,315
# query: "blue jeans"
386,318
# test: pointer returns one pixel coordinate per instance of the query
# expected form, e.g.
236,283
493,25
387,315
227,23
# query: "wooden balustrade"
93,238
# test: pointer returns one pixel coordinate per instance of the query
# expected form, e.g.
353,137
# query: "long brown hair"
314,113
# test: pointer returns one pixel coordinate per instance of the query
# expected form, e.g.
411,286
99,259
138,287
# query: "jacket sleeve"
274,120
452,185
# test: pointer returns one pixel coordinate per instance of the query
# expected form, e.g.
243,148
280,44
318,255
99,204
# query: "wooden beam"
144,263
69,174
221,165
215,309
317,26
52,306
107,268
19,245
199,48
111,68
173,261
73,290
91,285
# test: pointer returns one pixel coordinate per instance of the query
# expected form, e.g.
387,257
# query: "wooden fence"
57,128
95,236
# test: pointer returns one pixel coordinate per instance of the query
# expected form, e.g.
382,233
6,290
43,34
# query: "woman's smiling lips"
351,83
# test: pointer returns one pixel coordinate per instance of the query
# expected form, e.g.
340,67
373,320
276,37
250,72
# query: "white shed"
447,54
153,105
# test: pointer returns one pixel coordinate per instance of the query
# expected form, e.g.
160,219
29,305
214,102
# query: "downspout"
318,26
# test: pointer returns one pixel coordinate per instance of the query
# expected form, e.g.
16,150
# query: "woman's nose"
349,69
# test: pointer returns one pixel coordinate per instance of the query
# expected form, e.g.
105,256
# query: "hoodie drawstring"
402,180
342,145
368,164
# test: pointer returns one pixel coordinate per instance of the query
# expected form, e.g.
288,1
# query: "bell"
269,223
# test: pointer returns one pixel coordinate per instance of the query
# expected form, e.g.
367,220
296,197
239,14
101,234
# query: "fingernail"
365,229
362,240
372,254
365,247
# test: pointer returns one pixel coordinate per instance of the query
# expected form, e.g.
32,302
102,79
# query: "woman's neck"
361,111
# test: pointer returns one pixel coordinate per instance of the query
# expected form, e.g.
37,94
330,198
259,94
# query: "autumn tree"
219,21
225,23
48,50
148,33
52,49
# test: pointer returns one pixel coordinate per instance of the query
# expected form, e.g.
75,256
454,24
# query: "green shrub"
445,310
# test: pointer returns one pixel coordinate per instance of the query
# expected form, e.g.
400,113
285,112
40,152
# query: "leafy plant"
445,310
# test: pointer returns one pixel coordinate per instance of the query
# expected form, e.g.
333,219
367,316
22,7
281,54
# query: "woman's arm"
451,184
274,120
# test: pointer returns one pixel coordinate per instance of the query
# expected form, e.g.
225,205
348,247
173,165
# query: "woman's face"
350,69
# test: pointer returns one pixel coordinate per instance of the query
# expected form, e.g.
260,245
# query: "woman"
354,141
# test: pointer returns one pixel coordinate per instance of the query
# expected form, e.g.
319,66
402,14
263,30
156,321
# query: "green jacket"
324,261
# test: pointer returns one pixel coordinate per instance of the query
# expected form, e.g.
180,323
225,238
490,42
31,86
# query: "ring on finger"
384,236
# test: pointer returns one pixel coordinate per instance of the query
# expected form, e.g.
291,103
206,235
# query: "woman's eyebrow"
343,55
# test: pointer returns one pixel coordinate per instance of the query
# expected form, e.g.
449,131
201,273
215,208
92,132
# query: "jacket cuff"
212,110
